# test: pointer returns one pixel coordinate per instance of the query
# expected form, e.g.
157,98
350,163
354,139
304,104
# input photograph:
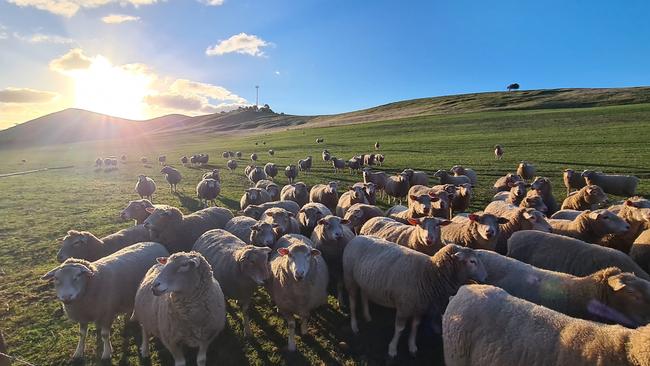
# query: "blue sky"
312,57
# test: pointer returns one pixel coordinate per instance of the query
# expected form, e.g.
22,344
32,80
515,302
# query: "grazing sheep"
162,159
145,187
526,170
271,152
377,145
225,155
636,212
563,254
251,232
136,210
514,196
330,236
99,162
534,200
296,192
355,163
177,232
298,282
256,174
397,187
308,216
254,196
285,220
305,164
326,194
84,245
326,155
572,180
172,176
519,218
446,178
543,188
477,231
462,198
378,178
184,160
272,188
412,283
349,198
231,164
208,190
256,211
417,177
253,157
214,174
291,173
99,291
620,185
469,173
144,160
338,164
380,159
359,213
320,140
506,182
574,296
180,303
369,159
421,234
590,226
640,250
498,152
238,154
587,198
271,170
493,335
239,268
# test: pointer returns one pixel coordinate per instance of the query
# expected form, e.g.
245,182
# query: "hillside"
73,125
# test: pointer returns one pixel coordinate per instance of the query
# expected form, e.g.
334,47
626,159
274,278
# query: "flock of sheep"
573,275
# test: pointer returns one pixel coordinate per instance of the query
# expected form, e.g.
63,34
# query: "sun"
114,90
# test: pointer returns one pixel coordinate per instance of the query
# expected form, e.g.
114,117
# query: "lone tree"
513,86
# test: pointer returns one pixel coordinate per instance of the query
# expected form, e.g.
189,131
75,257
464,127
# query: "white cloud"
26,95
183,86
44,38
240,43
119,18
212,2
69,8
3,32
72,61
277,72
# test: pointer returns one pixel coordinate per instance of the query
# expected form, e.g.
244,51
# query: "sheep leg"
304,322
144,347
106,339
83,332
366,308
352,297
202,356
413,348
400,324
247,322
339,293
291,330
177,353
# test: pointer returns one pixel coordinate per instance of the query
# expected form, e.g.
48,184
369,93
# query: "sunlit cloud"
69,8
240,43
72,61
119,18
26,95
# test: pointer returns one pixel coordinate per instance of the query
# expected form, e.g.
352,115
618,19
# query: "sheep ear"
502,220
528,215
615,283
413,197
444,222
150,209
269,214
302,210
49,275
283,251
472,217
162,260
413,221
630,203
322,222
315,252
459,256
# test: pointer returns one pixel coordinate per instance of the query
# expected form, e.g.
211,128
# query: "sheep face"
136,209
179,274
357,192
608,222
469,266
252,194
422,204
354,216
458,170
280,217
638,209
76,245
535,202
537,220
332,227
595,195
70,280
254,263
159,219
309,217
428,228
440,200
253,211
540,184
299,257
487,225
333,186
263,234
630,295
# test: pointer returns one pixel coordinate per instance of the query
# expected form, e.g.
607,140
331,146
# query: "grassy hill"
39,208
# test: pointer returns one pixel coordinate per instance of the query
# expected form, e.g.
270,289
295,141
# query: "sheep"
469,173
224,155
640,251
574,296
271,152
566,214
519,218
214,174
338,164
231,164
85,245
254,196
416,177
412,283
296,192
256,174
298,282
308,216
180,303
291,173
305,164
285,220
462,198
397,187
177,232
253,157
421,234
252,232
572,180
492,336
172,176
145,187
506,182
326,155
421,201
238,154
85,288
377,145
272,188
184,160
377,178
543,188
108,162
355,163
162,160
349,198
514,196
320,140
477,231
526,170
636,212
587,198
534,200
620,185
498,152
590,226
208,190
563,254
256,211
136,210
326,194
144,160
99,162
239,268
380,159
446,178
359,213
369,159
271,170
330,236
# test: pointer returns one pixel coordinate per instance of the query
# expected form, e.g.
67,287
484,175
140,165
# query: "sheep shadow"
189,202
229,202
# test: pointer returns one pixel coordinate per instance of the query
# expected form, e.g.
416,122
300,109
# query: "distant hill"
73,125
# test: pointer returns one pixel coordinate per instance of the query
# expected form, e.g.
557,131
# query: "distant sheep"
172,176
296,192
506,182
417,177
238,154
526,170
144,160
256,211
256,174
271,152
469,173
184,160
136,210
208,190
99,162
620,185
380,159
269,186
397,186
326,155
369,159
214,174
498,152
253,157
231,164
355,163
338,164
291,172
162,159
145,187
305,164
271,170
378,178
84,245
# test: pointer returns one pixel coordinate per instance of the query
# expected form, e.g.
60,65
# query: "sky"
140,59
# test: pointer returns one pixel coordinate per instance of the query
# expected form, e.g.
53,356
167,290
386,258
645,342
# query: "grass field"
38,208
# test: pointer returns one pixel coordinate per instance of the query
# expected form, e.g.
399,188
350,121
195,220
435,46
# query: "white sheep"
272,188
526,170
359,213
469,173
620,185
208,190
572,180
285,221
250,231
136,210
172,176
308,216
587,198
446,178
326,194
256,211
296,192
477,231
254,196
348,198
421,234
636,212
590,226
145,187
84,245
397,186
291,172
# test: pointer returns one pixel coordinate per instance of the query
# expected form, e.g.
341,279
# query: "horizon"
128,60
